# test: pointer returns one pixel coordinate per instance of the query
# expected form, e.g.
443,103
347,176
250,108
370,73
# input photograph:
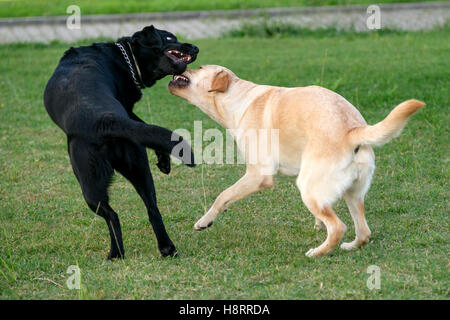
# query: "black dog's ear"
147,37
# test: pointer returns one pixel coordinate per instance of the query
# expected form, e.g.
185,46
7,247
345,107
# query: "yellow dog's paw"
201,225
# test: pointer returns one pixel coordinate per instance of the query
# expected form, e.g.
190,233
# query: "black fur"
90,96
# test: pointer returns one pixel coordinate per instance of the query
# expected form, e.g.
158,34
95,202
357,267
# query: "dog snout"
191,48
195,49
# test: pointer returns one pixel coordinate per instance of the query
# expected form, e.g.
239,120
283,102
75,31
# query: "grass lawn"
256,249
29,8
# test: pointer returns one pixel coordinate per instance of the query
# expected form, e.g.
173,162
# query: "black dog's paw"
163,162
169,251
115,255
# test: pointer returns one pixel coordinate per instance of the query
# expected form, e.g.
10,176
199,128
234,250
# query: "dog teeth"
180,55
180,77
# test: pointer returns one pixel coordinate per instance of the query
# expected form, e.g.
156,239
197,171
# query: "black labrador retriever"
91,95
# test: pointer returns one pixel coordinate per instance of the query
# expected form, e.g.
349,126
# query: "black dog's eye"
169,38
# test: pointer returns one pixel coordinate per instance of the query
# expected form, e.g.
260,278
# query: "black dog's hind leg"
137,171
115,232
94,173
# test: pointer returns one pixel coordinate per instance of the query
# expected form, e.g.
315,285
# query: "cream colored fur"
323,140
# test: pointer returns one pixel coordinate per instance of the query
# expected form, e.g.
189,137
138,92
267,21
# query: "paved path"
205,24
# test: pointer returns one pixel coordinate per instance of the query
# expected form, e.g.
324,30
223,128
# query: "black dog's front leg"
163,163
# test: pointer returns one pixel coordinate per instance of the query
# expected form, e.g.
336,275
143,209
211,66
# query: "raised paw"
200,225
163,162
310,253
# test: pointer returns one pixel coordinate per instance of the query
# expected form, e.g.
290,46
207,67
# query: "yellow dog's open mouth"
179,81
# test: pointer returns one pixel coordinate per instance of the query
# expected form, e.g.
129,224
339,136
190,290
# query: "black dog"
91,96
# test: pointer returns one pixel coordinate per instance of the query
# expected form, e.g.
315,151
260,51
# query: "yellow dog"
322,139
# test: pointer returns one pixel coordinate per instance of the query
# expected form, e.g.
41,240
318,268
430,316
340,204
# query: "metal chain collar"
125,55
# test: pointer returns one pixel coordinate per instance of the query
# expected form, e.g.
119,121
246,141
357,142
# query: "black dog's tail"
150,136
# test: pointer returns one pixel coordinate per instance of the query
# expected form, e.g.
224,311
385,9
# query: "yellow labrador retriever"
322,139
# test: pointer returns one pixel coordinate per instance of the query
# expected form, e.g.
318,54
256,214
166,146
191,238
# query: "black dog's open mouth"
179,81
178,56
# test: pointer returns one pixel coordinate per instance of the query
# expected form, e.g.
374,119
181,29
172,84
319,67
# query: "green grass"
256,249
28,8
278,29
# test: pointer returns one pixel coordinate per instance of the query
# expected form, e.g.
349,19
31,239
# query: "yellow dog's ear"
220,81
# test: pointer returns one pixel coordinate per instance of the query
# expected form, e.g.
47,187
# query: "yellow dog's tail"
387,129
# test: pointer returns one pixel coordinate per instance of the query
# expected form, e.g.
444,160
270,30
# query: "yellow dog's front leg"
251,182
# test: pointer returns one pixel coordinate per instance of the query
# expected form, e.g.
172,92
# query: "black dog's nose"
195,49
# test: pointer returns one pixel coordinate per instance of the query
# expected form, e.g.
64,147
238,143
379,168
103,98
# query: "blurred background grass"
29,8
